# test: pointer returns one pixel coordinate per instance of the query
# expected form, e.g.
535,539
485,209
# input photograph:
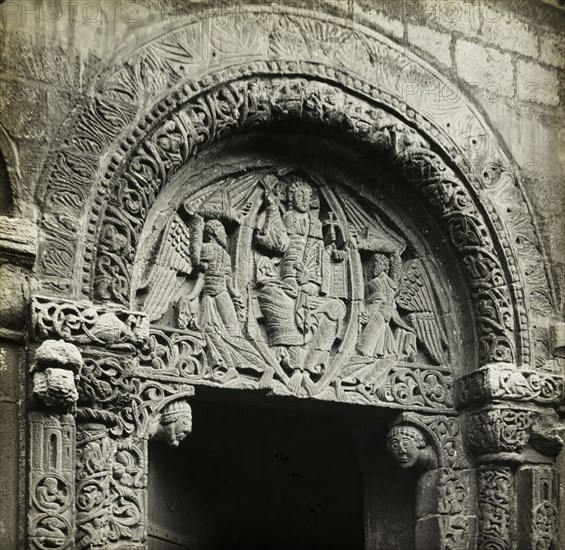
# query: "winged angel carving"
289,282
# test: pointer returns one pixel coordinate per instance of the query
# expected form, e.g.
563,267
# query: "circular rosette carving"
51,532
52,494
545,523
436,389
127,468
90,495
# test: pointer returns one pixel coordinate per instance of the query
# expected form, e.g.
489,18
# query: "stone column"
111,466
513,432
18,242
55,369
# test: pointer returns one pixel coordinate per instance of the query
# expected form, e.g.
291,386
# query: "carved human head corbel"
175,423
56,371
409,447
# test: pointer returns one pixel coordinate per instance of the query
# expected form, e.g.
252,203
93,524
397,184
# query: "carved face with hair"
176,423
405,443
214,229
300,195
378,264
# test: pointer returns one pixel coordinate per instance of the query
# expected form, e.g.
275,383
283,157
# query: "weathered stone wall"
508,57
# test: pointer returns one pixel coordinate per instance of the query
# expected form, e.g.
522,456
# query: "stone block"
24,108
9,453
508,32
10,357
463,17
537,84
12,297
18,238
431,41
485,67
552,49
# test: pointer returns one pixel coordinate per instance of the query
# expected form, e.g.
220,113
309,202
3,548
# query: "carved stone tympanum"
289,283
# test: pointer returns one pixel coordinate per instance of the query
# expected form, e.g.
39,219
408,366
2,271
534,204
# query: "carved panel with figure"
276,279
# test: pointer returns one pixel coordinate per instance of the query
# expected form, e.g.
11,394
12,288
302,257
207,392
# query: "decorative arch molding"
208,79
179,133
130,102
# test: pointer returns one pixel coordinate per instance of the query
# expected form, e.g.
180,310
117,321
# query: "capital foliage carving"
503,434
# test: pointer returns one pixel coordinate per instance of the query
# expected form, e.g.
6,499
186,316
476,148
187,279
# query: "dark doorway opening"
257,477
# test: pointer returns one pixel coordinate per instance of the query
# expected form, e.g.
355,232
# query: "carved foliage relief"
496,493
111,479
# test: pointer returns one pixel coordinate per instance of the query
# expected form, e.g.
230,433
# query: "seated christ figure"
301,324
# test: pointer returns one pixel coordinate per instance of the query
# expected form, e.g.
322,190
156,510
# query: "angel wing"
415,296
372,234
165,276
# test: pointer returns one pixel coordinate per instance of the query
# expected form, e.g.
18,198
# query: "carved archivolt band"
139,159
131,186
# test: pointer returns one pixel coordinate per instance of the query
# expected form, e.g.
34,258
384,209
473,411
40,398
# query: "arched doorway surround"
201,82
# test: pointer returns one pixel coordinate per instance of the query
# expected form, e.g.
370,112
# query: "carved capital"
499,434
86,323
56,371
504,381
105,385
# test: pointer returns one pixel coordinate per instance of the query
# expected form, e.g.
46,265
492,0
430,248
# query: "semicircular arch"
153,110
